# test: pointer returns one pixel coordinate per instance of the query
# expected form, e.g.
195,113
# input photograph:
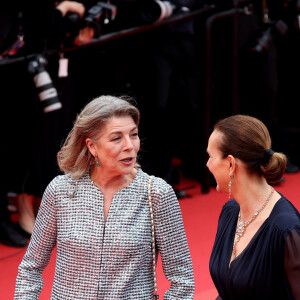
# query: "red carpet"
200,215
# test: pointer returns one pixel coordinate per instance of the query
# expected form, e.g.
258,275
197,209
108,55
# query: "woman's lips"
127,160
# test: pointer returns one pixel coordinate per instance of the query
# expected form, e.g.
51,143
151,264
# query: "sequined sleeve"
29,282
173,246
292,261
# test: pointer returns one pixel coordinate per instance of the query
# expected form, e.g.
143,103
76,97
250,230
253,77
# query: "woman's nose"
128,143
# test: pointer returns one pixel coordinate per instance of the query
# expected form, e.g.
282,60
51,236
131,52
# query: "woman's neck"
251,196
108,181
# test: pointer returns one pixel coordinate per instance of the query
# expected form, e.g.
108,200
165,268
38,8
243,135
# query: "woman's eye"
116,139
135,134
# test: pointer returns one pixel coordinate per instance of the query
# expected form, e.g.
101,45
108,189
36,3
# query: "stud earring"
229,186
97,162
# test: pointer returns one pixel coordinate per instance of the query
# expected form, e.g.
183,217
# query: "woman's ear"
90,144
231,163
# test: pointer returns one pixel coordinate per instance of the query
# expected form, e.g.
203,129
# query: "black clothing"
168,92
269,267
31,137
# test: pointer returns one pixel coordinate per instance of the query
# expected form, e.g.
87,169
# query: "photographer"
85,33
28,169
167,76
54,122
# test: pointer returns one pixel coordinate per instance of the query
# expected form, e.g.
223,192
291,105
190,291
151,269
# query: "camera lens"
46,91
153,11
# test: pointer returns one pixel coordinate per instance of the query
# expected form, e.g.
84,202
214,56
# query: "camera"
100,14
46,91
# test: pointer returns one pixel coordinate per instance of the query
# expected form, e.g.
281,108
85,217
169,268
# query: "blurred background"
187,63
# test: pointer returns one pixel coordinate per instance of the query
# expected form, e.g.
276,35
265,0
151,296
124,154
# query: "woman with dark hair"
256,254
99,217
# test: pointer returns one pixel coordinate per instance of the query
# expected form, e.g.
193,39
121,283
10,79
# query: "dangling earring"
97,162
229,186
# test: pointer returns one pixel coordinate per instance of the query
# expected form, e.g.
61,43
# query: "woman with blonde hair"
99,217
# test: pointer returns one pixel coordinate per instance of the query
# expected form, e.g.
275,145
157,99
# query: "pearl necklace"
241,225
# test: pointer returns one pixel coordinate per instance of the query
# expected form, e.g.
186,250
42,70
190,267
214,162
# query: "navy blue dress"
269,267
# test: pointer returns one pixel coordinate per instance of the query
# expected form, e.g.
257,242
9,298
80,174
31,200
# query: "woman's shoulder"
54,184
285,217
229,211
230,205
60,179
63,181
158,185
66,185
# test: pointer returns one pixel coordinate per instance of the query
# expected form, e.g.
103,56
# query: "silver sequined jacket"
106,260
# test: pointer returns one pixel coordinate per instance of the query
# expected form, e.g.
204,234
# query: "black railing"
115,35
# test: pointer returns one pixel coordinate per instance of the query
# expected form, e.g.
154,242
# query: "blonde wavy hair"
74,157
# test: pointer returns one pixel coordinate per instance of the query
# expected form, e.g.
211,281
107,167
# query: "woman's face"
117,146
216,164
